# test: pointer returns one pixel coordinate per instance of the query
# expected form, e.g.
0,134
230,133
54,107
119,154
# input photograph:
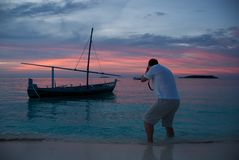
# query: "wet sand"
58,150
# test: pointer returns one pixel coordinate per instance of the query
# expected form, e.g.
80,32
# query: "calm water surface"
209,111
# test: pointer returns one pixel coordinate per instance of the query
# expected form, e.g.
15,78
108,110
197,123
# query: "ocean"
209,112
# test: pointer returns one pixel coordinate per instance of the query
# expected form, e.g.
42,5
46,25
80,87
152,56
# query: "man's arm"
143,78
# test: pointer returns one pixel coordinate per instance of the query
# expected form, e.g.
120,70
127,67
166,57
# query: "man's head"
152,62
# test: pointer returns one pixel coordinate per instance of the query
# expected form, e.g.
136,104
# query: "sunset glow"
124,40
188,62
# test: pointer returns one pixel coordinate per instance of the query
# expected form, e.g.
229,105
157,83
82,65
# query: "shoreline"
62,150
161,141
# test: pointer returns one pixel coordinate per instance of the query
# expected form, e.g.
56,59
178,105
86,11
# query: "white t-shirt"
163,82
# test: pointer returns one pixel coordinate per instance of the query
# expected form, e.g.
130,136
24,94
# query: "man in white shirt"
167,101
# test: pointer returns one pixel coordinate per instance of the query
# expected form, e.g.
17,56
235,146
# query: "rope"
35,91
150,86
82,53
97,58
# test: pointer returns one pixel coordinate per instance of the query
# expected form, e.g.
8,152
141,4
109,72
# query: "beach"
60,150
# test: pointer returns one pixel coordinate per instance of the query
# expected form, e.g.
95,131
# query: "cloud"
160,13
221,42
31,51
30,9
27,21
222,39
56,20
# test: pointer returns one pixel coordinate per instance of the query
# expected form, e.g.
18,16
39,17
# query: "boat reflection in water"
66,107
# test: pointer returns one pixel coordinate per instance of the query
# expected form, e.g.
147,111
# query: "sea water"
209,111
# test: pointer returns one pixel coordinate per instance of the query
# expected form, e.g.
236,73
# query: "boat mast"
52,77
88,62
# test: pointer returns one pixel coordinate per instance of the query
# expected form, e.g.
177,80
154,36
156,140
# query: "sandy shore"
58,150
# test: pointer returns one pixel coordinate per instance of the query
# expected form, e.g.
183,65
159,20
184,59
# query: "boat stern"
32,89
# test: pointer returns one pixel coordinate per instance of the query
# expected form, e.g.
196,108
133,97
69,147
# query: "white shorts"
163,109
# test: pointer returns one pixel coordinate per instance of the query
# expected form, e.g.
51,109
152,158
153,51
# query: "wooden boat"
72,91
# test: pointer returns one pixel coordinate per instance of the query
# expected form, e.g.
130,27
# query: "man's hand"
143,79
147,69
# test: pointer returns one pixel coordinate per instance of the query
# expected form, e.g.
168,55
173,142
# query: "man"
167,101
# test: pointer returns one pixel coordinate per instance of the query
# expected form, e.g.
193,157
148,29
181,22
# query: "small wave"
162,142
21,139
194,141
12,137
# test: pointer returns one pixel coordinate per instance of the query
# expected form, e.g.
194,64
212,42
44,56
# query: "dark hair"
153,62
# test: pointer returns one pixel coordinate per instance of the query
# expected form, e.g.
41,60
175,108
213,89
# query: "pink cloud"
132,60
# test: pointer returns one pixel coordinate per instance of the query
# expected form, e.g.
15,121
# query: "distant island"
104,77
201,76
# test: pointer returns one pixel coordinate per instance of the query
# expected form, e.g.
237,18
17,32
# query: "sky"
187,36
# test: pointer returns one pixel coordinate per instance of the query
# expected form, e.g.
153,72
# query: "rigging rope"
97,58
82,53
150,86
94,51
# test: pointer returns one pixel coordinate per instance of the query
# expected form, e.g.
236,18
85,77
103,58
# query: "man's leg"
149,129
167,121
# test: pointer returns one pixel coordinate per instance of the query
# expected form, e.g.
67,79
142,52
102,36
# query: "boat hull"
76,91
